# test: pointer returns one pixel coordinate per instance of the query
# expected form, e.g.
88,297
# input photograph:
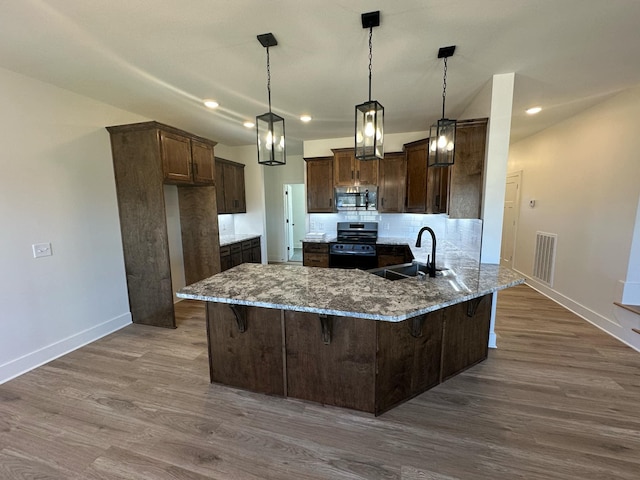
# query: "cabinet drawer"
235,248
313,247
246,245
316,260
255,242
224,251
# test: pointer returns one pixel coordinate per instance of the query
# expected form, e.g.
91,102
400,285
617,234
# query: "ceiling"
162,58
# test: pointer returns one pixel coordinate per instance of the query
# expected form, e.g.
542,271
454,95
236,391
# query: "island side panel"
466,335
251,359
340,373
408,361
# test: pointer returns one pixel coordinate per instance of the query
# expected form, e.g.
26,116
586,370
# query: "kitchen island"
346,337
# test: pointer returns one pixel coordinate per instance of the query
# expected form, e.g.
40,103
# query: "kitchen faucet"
431,266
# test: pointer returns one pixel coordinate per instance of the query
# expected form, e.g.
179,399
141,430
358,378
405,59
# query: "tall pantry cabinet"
145,157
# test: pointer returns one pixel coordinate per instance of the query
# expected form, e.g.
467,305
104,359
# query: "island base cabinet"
331,360
408,359
465,340
245,347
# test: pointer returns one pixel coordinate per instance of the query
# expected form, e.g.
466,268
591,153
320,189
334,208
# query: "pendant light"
269,126
442,136
370,115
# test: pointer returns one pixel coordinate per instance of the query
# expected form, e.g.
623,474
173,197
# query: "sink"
404,270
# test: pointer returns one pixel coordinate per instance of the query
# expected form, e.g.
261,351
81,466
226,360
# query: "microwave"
363,197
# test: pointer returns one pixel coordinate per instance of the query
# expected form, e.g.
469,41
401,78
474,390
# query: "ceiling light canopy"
211,104
269,126
248,124
442,135
370,114
305,118
533,110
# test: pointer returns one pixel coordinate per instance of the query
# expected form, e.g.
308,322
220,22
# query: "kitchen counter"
229,239
352,293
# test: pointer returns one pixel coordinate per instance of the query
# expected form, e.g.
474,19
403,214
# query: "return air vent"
545,257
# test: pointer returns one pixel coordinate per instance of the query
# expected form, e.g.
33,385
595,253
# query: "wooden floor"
559,399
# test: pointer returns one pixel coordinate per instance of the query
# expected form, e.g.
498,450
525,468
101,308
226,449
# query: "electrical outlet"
41,250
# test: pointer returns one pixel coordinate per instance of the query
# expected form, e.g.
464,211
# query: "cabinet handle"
383,201
330,201
351,174
195,168
358,174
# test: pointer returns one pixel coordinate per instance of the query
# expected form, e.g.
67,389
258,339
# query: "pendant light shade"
269,126
442,135
369,134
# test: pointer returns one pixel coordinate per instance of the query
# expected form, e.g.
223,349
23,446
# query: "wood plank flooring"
557,400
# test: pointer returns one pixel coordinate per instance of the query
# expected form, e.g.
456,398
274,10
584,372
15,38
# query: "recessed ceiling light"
305,118
249,124
211,104
534,110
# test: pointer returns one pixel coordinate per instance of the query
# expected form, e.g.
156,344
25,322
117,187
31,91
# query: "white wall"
584,175
275,178
57,186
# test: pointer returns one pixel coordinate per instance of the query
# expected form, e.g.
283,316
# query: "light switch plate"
41,250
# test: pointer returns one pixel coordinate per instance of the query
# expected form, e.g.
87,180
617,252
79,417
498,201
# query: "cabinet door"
241,206
175,151
236,254
203,165
250,359
315,254
319,185
466,335
344,167
367,172
416,155
220,189
225,258
256,251
393,171
465,197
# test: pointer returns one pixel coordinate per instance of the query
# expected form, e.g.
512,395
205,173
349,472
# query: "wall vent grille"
545,257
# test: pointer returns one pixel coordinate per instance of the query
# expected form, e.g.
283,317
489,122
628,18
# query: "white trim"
17,367
493,340
607,325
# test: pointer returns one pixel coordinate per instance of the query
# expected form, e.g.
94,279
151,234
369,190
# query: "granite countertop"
353,293
229,239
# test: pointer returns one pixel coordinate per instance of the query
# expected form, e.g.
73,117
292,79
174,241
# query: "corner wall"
57,185
584,176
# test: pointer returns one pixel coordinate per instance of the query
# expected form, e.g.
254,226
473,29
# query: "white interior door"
510,222
288,221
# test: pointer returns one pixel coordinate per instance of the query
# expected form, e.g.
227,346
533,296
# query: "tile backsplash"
463,235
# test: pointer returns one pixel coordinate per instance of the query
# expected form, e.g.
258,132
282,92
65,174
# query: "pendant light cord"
444,85
269,79
370,58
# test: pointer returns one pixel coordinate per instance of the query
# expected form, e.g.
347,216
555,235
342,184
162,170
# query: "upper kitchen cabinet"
186,159
203,163
230,186
391,189
467,172
320,184
427,188
349,171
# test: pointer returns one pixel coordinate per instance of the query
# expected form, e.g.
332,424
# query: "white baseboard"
607,325
17,367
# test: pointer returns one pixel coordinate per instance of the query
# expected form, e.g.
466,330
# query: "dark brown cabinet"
349,171
145,156
319,185
247,251
315,254
427,188
465,341
186,160
202,163
391,190
467,172
230,186
348,362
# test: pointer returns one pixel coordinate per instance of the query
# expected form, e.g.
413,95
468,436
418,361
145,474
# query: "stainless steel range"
355,246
